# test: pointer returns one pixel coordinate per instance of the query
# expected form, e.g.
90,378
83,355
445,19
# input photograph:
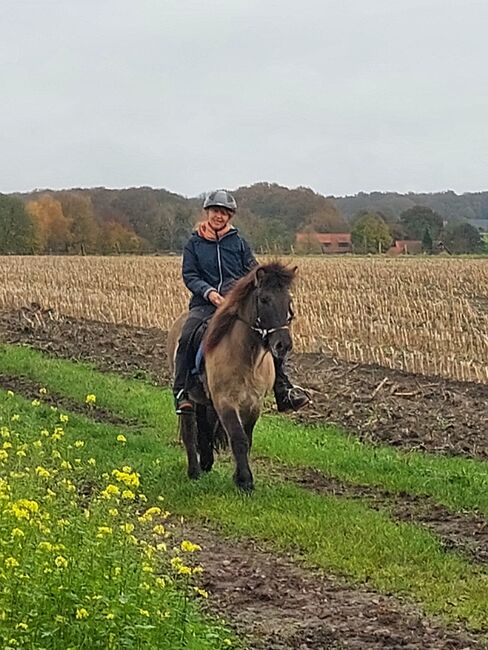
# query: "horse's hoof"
244,485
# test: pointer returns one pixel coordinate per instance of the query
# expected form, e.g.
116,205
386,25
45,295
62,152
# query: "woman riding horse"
214,258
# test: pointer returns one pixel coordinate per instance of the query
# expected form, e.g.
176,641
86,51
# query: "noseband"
264,332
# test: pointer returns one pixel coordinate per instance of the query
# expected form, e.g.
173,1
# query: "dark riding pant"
185,355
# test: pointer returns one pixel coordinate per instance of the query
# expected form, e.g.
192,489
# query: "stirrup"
183,404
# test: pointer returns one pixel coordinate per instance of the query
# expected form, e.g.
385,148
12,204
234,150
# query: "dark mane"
274,277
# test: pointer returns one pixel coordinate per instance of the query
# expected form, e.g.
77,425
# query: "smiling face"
218,217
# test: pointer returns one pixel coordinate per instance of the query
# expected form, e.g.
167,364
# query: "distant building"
329,243
405,247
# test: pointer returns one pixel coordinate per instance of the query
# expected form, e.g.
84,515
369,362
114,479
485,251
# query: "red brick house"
329,243
405,247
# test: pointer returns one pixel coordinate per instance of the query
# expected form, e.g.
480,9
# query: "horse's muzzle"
280,343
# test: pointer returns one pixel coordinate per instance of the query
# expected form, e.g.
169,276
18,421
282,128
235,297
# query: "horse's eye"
264,300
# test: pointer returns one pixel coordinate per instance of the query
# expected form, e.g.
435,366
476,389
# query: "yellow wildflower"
37,444
129,495
17,532
121,438
42,391
65,464
10,393
15,418
3,455
90,399
61,562
110,491
160,583
201,592
113,512
144,612
21,626
92,461
81,613
79,444
189,547
110,616
162,547
128,528
45,546
103,531
159,529
11,563
35,402
42,472
63,418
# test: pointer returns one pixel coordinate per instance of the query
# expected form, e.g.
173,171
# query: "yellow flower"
90,399
162,547
131,479
45,546
92,461
128,528
42,472
144,612
61,562
81,613
4,432
42,391
37,444
79,443
21,453
121,438
129,495
103,531
10,393
35,402
113,512
189,547
201,592
63,418
45,433
110,491
21,626
109,616
17,532
160,583
3,455
11,563
15,418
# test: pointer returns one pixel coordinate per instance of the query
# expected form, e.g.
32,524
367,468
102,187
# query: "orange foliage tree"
51,225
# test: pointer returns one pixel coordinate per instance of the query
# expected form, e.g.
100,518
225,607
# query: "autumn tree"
370,234
462,238
17,232
117,238
52,227
416,220
84,229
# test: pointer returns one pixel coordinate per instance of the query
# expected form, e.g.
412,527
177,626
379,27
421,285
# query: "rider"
213,259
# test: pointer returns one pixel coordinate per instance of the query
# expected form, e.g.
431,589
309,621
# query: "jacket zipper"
220,268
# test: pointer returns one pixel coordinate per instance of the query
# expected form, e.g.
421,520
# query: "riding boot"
288,397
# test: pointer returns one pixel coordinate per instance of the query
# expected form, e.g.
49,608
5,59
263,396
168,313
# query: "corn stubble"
426,316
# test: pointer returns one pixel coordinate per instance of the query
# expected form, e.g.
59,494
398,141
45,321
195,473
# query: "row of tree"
144,219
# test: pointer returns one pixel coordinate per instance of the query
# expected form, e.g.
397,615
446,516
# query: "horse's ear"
295,270
258,278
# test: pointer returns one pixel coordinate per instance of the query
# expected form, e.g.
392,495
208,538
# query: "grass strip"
336,534
457,483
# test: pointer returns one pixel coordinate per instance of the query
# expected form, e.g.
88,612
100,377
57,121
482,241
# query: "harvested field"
424,316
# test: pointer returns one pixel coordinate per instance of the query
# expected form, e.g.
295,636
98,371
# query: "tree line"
145,220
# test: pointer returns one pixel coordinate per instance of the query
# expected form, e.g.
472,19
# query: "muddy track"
277,604
377,404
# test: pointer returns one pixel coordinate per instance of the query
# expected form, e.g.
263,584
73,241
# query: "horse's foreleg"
249,421
189,435
239,441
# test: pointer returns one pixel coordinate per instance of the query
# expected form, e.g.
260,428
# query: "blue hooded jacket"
215,265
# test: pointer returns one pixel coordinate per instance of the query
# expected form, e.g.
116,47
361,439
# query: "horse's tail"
210,430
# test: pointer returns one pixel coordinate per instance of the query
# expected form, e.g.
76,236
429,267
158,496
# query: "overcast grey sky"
338,95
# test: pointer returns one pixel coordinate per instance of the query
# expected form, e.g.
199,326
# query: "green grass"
455,482
335,534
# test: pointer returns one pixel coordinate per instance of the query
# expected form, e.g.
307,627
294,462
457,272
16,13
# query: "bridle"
265,332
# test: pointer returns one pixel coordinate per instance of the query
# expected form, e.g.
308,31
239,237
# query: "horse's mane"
273,276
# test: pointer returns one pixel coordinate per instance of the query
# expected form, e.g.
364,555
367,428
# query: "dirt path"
281,605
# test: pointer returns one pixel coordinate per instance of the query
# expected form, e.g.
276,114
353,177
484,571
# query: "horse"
250,328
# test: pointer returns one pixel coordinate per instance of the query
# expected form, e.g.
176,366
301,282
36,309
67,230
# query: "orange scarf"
206,231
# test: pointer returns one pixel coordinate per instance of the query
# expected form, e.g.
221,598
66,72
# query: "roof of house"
325,237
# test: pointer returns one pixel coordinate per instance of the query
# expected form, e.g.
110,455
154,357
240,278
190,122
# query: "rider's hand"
215,298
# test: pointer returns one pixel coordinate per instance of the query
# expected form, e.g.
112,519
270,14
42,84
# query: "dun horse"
243,336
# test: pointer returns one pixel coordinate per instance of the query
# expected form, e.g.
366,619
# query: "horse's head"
272,307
